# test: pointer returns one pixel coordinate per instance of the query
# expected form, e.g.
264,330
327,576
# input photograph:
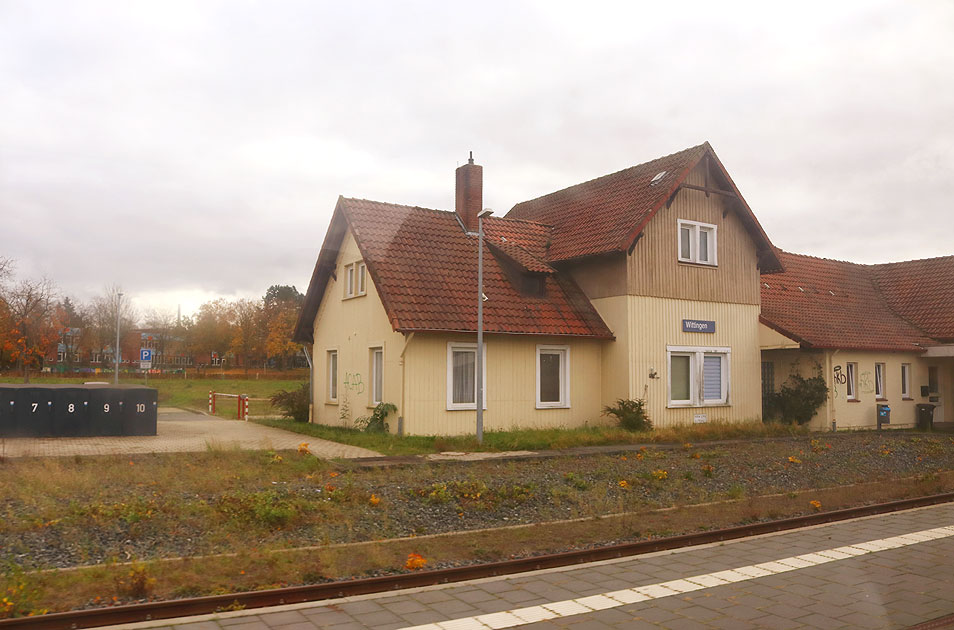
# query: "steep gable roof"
922,292
608,213
824,303
424,267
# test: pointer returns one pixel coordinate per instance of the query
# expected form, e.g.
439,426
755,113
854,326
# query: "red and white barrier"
241,399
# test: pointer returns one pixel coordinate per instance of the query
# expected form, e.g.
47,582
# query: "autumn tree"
281,304
33,332
212,330
247,331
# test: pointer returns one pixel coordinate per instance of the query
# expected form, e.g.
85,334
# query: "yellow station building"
656,282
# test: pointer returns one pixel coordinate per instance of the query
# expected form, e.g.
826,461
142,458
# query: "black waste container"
33,408
71,411
140,408
925,416
105,411
7,416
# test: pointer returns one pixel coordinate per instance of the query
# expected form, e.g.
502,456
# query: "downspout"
311,381
831,389
407,341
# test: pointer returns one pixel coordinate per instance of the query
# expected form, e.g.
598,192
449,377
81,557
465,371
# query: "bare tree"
71,329
101,318
6,323
6,269
162,324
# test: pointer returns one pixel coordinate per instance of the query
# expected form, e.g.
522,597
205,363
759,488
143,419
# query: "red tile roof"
606,214
833,304
424,267
921,291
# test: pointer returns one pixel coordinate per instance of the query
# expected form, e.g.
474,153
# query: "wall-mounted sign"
700,418
698,325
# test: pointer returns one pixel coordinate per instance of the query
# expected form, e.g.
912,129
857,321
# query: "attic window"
657,178
697,243
355,279
534,285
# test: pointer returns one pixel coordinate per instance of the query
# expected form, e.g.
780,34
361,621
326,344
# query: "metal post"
479,376
116,351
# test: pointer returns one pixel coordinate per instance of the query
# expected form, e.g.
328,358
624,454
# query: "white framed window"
553,377
377,375
698,376
332,376
349,281
697,242
355,279
879,381
362,283
851,389
461,376
905,380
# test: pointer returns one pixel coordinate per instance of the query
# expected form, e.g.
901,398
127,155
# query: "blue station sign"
698,325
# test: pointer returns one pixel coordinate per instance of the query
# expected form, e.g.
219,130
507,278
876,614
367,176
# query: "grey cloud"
201,147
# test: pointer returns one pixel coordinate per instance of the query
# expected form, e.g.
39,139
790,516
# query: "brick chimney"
470,193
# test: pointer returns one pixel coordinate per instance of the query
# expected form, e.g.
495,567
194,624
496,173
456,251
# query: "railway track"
168,609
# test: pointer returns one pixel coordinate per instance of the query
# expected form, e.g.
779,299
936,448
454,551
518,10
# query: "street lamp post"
119,309
479,367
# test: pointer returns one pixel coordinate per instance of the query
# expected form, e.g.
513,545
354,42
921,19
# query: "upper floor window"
697,243
355,279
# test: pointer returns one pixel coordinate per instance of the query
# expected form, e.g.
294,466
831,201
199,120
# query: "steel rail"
168,609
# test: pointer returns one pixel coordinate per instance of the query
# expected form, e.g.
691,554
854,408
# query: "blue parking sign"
145,354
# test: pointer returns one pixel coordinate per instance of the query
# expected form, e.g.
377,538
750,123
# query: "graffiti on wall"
865,383
353,382
837,379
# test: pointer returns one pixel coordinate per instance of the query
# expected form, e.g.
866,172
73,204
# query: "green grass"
192,393
533,439
383,443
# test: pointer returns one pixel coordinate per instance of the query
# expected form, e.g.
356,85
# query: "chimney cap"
470,160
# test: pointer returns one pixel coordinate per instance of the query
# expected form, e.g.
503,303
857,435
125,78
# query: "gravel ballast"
286,500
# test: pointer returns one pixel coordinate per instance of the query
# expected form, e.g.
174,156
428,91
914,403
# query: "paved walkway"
890,571
180,432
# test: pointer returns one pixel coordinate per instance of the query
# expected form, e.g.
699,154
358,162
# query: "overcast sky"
192,150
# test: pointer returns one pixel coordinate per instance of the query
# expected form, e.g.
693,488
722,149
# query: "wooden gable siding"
654,270
600,276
